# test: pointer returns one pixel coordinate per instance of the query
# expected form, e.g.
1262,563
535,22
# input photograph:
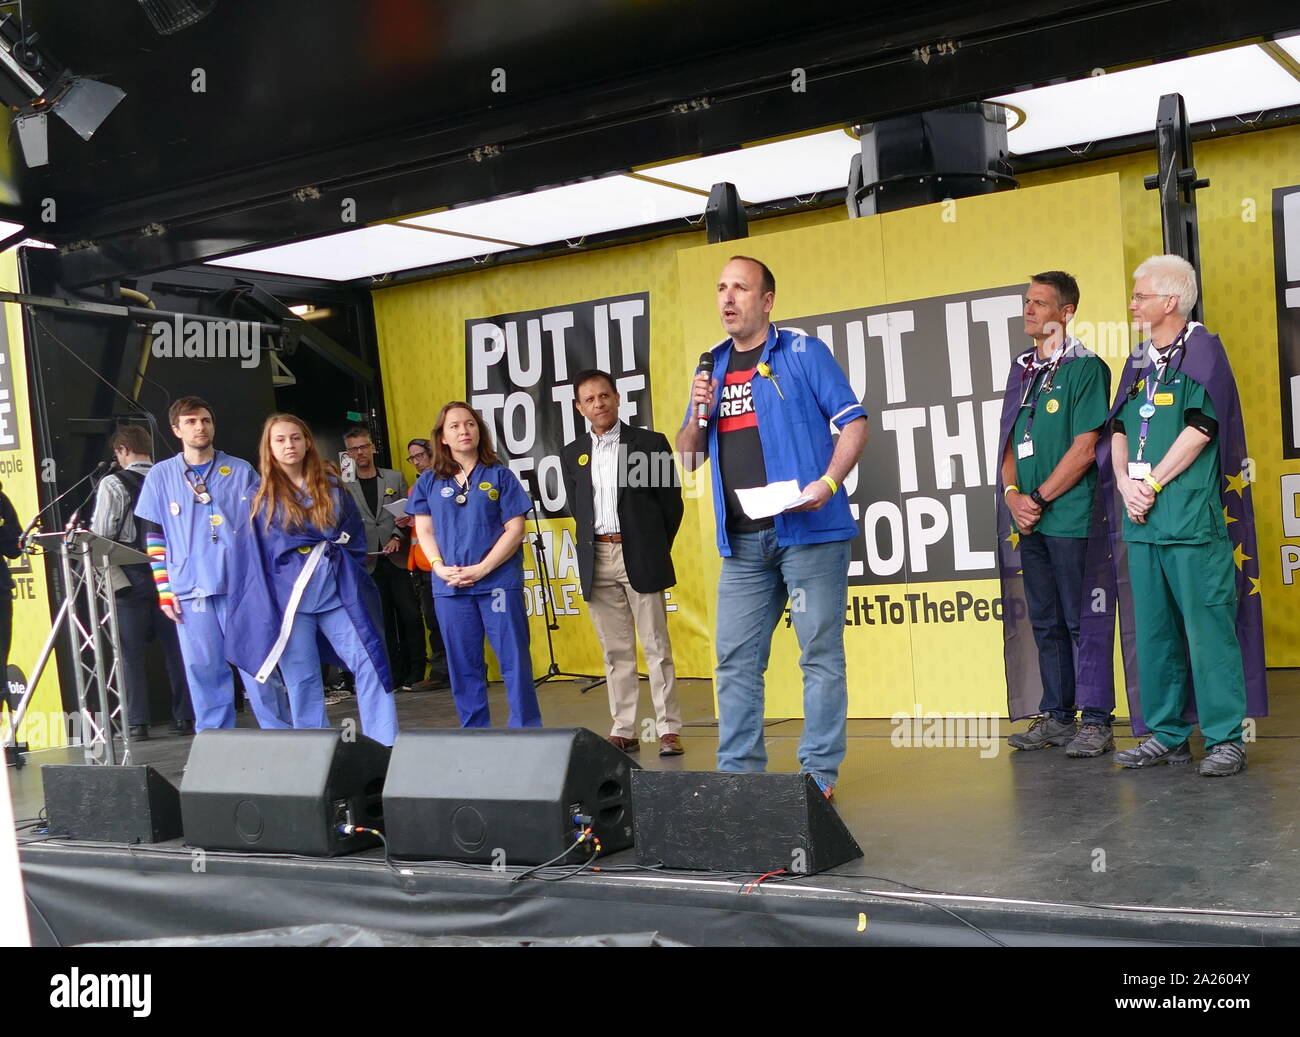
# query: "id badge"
1025,448
1139,469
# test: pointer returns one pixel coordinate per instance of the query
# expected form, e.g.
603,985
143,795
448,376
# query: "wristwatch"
1037,498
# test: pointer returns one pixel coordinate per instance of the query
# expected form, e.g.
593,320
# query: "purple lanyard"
1045,385
1154,380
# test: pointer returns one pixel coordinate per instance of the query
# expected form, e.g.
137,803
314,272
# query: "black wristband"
1037,498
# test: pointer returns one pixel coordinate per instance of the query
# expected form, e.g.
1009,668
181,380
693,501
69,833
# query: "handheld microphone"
705,366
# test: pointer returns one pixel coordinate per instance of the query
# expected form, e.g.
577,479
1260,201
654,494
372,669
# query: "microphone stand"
548,614
103,468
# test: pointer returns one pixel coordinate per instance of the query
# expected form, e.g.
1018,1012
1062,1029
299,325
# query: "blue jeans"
1054,571
752,591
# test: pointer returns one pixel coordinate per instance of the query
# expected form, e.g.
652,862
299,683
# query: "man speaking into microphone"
768,416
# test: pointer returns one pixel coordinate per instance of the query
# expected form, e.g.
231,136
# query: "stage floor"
991,825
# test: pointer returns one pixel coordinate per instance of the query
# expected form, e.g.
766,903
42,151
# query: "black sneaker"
1150,753
1092,740
1044,733
1224,759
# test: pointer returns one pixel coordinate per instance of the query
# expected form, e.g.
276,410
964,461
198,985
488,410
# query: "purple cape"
1205,360
1094,671
261,583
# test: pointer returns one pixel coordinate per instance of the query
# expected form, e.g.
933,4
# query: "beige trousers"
619,615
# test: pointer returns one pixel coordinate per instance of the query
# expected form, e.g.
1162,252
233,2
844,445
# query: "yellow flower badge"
765,370
224,469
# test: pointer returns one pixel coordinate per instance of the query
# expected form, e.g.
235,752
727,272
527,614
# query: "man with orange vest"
417,452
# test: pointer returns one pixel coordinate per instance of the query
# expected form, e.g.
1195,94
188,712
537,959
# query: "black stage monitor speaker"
111,804
746,823
282,791
476,795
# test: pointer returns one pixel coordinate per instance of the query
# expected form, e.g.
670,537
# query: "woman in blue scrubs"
469,515
311,544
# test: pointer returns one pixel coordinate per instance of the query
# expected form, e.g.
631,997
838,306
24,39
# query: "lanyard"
463,496
199,487
1046,385
1153,382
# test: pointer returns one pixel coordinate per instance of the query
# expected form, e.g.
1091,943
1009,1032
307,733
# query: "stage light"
1240,82
171,16
33,84
368,251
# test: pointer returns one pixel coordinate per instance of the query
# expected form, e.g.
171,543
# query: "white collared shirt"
604,480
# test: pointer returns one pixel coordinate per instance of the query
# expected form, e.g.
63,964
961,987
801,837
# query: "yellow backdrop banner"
20,468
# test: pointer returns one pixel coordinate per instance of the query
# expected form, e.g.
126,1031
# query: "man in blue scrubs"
194,497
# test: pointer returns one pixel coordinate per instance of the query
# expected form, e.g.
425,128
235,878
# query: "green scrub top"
1077,403
1189,509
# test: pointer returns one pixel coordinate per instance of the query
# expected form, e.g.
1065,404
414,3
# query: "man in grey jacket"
386,547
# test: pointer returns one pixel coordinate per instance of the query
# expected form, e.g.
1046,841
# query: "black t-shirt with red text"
740,452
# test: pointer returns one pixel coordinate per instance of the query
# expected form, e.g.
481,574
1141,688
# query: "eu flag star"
1240,557
1236,484
1227,519
1254,584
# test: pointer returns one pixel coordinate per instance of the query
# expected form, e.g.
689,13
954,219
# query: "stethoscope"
1166,364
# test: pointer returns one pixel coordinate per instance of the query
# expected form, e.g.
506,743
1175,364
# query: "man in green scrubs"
1049,478
1165,451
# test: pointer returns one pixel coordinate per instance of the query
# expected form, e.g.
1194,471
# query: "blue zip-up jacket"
794,431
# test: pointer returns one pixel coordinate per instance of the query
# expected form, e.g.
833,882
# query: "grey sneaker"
1043,733
1092,740
1150,753
1224,759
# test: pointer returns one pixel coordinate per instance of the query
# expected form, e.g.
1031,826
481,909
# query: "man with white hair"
1178,452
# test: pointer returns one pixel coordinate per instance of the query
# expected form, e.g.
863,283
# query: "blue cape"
261,574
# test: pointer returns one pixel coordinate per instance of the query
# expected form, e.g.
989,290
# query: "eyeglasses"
421,456
359,447
1140,297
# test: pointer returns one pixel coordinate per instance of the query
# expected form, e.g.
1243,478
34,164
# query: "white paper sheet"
765,501
397,509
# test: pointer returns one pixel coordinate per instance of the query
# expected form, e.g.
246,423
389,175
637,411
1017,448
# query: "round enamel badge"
583,459
1053,406
389,492
216,520
304,550
494,494
485,486
174,508
224,469
446,491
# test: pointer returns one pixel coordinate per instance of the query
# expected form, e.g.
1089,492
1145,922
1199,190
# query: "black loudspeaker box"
111,804
507,795
745,823
283,791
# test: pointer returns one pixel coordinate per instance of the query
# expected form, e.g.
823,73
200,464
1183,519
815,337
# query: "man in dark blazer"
626,498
